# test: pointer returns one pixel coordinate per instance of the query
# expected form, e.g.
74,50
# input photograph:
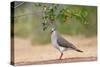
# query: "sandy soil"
26,52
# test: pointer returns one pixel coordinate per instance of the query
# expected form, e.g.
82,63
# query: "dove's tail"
74,48
78,50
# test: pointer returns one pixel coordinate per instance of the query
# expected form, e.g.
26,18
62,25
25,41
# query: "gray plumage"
64,43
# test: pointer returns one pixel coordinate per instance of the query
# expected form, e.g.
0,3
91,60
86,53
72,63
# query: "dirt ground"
26,52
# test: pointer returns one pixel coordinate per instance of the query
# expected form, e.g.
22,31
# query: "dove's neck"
54,37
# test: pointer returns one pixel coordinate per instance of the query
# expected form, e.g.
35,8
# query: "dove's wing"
64,43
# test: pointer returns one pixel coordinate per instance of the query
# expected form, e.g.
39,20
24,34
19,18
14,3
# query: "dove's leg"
61,56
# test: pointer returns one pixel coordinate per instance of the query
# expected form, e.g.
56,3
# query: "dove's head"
52,30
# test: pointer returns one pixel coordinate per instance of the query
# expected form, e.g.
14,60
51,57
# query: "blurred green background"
28,23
